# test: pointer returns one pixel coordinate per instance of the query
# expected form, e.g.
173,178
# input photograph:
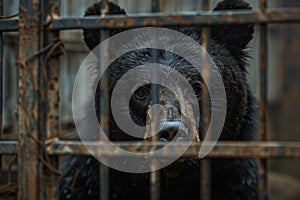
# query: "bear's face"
172,123
170,117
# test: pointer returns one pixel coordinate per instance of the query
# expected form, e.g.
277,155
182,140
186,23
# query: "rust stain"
77,22
149,21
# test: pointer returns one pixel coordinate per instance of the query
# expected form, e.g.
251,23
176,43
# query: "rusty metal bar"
205,181
263,4
1,75
205,170
280,15
8,147
51,65
155,174
30,100
155,185
234,149
183,19
155,5
9,25
263,102
104,183
37,102
1,79
155,181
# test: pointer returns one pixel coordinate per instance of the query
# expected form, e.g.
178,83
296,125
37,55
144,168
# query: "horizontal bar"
286,15
221,149
9,25
8,147
180,19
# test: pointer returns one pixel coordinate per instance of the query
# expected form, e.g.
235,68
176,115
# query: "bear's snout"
170,129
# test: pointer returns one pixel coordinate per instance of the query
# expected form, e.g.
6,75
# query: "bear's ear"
235,37
91,36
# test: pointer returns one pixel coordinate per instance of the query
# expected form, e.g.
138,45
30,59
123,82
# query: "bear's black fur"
231,178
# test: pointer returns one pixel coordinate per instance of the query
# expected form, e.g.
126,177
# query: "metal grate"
38,146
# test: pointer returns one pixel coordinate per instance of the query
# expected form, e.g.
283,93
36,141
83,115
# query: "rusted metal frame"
1,80
205,170
9,24
8,147
185,19
37,91
50,80
234,149
104,111
1,74
30,112
155,180
280,15
263,101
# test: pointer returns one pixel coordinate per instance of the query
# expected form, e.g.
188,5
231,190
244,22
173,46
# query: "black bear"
230,178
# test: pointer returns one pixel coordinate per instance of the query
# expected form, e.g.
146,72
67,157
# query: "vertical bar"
205,187
105,120
154,175
155,185
263,46
155,6
1,74
51,66
30,97
1,79
104,113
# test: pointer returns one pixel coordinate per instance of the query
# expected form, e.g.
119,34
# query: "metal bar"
205,182
104,112
155,174
8,147
205,172
263,104
280,15
184,19
155,181
155,5
155,184
1,79
9,25
263,4
104,181
233,149
1,74
30,118
51,66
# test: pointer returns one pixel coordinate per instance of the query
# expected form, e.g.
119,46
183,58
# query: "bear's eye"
197,88
141,93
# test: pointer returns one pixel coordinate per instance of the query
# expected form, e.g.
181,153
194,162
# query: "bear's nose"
169,129
172,113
